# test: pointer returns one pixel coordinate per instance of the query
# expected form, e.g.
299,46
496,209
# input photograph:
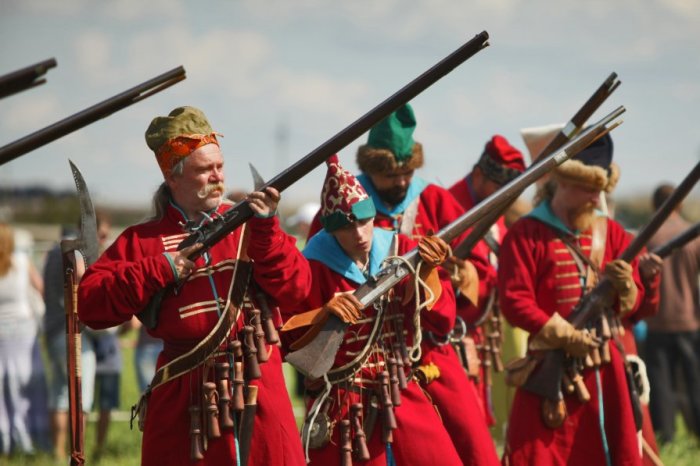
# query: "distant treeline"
43,205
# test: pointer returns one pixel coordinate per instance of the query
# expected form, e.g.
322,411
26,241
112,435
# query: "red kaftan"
537,277
123,280
420,438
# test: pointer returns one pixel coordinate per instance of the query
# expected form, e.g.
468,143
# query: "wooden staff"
75,399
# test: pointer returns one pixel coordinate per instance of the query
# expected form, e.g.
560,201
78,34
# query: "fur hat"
500,162
390,144
593,166
343,199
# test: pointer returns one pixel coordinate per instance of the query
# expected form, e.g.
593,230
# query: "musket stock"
316,358
25,78
545,380
573,127
101,110
213,232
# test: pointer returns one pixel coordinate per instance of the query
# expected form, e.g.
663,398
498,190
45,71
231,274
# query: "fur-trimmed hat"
343,199
593,166
500,162
390,144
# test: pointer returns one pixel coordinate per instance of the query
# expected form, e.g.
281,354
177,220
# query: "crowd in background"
34,387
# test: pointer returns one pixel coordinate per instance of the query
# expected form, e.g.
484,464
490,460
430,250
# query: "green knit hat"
175,136
180,122
395,133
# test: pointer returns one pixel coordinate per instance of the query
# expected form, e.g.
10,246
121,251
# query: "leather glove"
649,267
433,251
344,306
619,273
559,333
464,278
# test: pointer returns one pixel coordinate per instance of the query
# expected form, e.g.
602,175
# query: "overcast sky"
278,78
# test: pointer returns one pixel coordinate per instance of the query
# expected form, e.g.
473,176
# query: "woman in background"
18,337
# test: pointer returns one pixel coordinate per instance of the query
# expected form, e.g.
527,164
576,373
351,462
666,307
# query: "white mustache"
209,188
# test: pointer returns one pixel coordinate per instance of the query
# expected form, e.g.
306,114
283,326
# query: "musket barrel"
25,78
662,214
316,358
677,242
98,111
574,126
241,212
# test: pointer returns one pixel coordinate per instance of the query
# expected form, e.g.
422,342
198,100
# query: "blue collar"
323,247
414,190
543,212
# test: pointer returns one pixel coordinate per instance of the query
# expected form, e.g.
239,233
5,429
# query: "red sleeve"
517,272
280,268
114,288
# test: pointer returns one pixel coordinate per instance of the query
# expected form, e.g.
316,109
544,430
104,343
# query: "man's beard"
393,196
582,218
210,188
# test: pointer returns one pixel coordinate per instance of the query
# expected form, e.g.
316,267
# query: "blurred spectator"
299,223
673,339
22,386
146,354
107,381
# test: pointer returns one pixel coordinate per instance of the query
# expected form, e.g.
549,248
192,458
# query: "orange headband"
173,150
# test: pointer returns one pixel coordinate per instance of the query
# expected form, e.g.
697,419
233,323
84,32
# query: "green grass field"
124,445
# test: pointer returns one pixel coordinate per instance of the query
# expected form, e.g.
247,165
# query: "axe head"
86,242
258,181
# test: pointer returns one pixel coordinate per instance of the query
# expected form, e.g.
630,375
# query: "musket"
101,110
25,78
573,127
86,243
316,358
545,379
664,250
214,231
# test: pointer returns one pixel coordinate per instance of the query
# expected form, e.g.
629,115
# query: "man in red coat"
547,261
499,163
369,412
407,204
179,429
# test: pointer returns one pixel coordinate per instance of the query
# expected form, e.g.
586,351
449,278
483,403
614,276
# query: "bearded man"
184,424
548,260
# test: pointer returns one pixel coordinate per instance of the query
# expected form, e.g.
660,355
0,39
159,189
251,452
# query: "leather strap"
197,355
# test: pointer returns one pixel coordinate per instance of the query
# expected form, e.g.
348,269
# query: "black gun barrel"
90,115
241,212
25,78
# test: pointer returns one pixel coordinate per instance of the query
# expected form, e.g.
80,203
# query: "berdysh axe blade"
86,242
